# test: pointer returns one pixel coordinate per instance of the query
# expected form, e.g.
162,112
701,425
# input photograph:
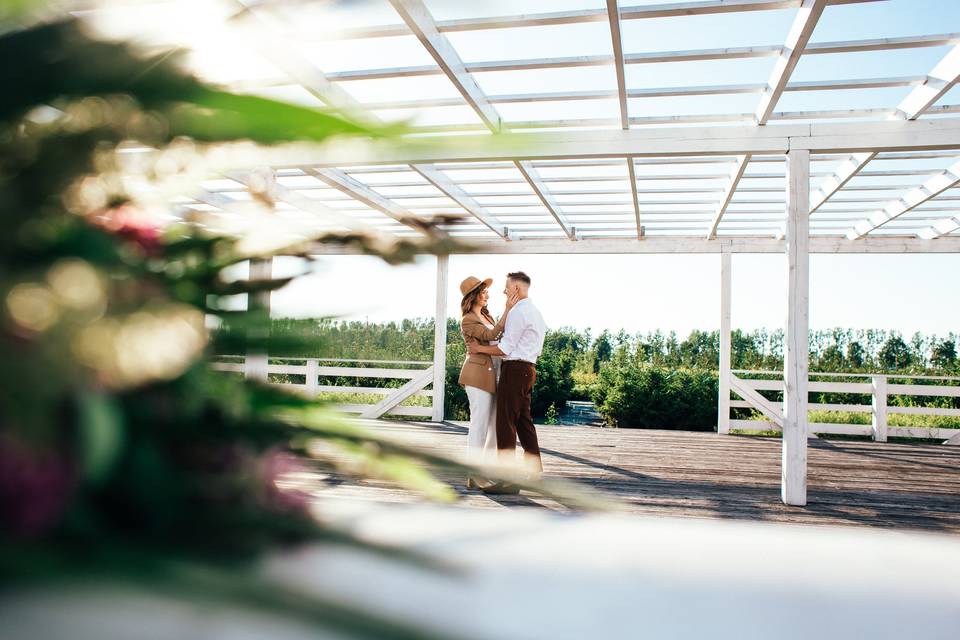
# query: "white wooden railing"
878,387
418,375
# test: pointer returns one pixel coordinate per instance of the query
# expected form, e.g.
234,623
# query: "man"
520,347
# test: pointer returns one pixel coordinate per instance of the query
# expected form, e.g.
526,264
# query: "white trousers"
482,439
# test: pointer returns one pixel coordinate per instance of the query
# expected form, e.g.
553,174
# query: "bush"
652,397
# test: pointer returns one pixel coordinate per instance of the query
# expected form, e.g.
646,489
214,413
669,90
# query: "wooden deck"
705,475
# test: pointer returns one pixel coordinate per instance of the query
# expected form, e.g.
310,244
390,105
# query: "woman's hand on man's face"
512,300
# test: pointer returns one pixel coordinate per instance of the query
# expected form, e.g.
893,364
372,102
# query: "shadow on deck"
705,475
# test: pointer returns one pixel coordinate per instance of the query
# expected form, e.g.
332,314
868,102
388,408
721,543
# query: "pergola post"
440,339
256,361
796,353
723,387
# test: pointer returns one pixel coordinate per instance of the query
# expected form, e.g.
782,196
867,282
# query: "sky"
641,293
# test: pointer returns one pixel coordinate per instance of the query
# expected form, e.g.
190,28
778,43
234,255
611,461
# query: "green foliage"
552,416
656,397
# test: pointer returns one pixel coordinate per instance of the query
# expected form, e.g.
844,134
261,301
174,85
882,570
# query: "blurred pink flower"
35,486
132,224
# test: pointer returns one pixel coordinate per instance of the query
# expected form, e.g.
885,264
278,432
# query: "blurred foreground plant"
121,454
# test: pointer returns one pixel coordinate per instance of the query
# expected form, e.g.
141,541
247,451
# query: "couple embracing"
498,376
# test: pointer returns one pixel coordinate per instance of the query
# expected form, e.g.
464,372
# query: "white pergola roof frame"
648,201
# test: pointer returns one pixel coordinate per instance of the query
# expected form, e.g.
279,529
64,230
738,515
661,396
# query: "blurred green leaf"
101,435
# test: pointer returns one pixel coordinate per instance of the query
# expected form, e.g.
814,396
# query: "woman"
480,371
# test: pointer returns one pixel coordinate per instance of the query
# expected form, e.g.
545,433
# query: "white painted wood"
359,191
399,395
922,390
922,432
723,401
440,338
256,362
838,179
850,137
727,53
440,180
938,82
739,167
312,374
953,439
643,12
632,174
940,227
879,409
758,402
800,31
930,189
417,17
536,183
695,245
796,346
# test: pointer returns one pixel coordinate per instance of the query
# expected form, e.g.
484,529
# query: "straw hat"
471,283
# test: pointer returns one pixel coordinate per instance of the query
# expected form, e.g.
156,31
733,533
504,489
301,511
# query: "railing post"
723,373
440,339
797,351
256,364
880,408
313,373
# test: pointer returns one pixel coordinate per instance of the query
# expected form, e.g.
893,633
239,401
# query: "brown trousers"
513,411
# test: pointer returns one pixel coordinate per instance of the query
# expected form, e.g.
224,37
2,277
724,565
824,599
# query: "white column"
880,408
255,365
796,354
723,396
440,339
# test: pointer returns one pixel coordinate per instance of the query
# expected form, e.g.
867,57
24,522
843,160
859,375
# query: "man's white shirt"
524,333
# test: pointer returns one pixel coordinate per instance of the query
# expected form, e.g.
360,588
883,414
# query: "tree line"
653,379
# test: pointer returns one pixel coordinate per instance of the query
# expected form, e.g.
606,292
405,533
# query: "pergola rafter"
616,40
919,100
800,31
930,189
421,23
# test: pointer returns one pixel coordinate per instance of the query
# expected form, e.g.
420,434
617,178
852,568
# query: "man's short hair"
519,276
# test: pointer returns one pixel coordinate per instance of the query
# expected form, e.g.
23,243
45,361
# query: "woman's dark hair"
469,300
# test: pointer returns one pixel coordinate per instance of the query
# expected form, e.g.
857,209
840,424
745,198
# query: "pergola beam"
934,134
644,12
698,245
930,189
800,31
938,82
421,23
453,191
940,228
363,193
691,55
616,40
918,101
546,197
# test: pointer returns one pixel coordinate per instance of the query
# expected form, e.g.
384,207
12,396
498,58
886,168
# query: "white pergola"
652,167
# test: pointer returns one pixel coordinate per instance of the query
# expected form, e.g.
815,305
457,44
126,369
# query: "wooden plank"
796,347
922,390
395,411
925,411
399,395
800,31
760,403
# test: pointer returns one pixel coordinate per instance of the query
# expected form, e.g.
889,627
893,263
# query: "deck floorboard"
706,475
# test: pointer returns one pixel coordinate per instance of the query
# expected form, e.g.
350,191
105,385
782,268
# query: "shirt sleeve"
516,323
